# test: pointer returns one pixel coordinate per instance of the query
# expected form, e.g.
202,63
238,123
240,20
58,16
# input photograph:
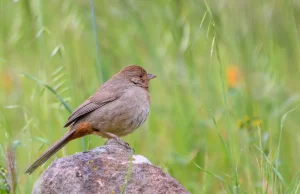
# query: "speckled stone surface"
104,170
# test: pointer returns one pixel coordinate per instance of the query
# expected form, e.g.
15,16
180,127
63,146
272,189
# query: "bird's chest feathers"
137,100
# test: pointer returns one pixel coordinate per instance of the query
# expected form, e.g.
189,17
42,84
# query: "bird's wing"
99,99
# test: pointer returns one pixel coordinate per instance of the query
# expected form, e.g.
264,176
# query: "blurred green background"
228,75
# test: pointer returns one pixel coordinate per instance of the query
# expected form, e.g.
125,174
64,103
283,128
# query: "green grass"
213,134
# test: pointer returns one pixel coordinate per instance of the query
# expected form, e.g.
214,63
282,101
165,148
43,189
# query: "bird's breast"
123,115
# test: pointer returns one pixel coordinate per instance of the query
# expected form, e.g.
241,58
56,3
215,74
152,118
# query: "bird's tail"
51,151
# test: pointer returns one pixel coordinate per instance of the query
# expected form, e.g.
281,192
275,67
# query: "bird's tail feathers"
51,151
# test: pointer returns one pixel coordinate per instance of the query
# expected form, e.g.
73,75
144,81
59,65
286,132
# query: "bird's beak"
150,76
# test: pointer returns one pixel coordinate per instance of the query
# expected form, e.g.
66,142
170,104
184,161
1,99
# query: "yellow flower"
256,123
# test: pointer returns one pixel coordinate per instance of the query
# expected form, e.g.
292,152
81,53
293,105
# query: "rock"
105,169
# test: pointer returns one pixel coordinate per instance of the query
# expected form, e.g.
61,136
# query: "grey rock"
105,169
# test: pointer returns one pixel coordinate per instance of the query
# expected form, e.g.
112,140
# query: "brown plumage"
117,108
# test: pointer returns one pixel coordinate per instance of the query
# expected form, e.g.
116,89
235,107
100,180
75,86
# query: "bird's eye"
141,76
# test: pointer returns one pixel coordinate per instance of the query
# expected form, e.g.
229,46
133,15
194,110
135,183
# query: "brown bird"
117,108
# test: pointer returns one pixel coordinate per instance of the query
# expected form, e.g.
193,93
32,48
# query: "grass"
228,78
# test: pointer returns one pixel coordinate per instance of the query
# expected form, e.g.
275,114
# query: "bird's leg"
125,144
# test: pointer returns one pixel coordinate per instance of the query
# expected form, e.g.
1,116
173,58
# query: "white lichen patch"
111,158
138,159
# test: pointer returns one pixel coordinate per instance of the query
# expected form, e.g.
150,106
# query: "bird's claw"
125,144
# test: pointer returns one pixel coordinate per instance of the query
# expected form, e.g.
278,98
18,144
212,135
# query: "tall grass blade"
294,186
276,172
60,98
216,176
98,64
279,141
11,169
128,174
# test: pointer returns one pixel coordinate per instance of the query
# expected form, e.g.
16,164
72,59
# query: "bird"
116,109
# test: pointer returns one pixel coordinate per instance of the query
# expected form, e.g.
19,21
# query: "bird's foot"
125,144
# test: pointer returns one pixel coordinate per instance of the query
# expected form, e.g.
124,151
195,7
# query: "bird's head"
137,75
